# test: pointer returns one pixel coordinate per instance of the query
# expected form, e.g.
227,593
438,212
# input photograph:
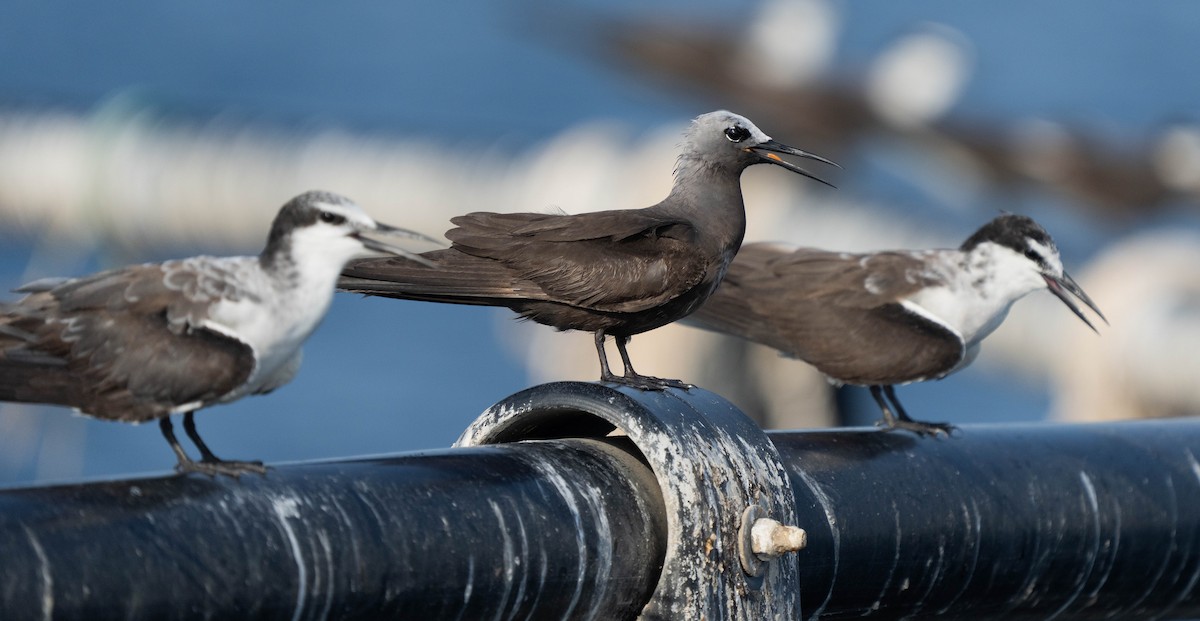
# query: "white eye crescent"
737,133
329,217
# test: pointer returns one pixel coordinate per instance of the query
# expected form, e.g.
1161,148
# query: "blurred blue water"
384,376
458,70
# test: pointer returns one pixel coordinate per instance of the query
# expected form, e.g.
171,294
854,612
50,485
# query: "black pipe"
541,530
1032,521
719,474
1001,522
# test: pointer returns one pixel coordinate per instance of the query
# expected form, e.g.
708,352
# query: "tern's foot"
918,427
647,382
213,467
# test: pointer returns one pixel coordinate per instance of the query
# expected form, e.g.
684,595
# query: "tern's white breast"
274,322
980,289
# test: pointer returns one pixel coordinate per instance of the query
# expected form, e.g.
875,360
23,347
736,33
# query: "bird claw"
647,382
212,468
921,428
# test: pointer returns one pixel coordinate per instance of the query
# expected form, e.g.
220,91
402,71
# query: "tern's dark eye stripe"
332,218
737,133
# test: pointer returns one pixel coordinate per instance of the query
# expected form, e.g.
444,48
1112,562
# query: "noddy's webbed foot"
647,382
920,428
632,378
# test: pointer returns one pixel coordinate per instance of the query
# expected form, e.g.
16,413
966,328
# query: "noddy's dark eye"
332,218
737,133
1033,256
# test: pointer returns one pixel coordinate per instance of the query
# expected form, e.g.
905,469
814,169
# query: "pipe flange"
711,463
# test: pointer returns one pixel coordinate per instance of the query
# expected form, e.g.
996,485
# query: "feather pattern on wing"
121,344
521,257
840,312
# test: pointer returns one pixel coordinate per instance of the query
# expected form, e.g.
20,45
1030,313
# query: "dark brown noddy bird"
617,273
146,341
886,318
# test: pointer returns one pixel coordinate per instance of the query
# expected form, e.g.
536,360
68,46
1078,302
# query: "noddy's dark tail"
457,278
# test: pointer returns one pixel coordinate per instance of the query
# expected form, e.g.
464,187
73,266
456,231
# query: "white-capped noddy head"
1027,260
324,226
730,141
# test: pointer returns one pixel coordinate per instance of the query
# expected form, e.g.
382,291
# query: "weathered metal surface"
711,463
546,530
1000,522
997,522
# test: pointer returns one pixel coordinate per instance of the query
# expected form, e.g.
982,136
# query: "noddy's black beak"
1060,286
768,149
386,248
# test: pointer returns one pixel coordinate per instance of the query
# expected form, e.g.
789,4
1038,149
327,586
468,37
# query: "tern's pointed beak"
386,248
768,149
396,231
1060,286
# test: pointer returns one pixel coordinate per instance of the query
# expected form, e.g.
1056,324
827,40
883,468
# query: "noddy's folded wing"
617,261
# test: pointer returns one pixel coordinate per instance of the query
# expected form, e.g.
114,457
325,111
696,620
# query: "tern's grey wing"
120,345
183,289
624,261
816,306
844,279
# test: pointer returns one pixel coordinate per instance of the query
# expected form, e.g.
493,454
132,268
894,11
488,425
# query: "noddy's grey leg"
606,374
209,463
901,419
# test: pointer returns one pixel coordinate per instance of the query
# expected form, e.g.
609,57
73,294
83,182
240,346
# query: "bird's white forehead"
344,207
1047,251
722,119
1040,248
